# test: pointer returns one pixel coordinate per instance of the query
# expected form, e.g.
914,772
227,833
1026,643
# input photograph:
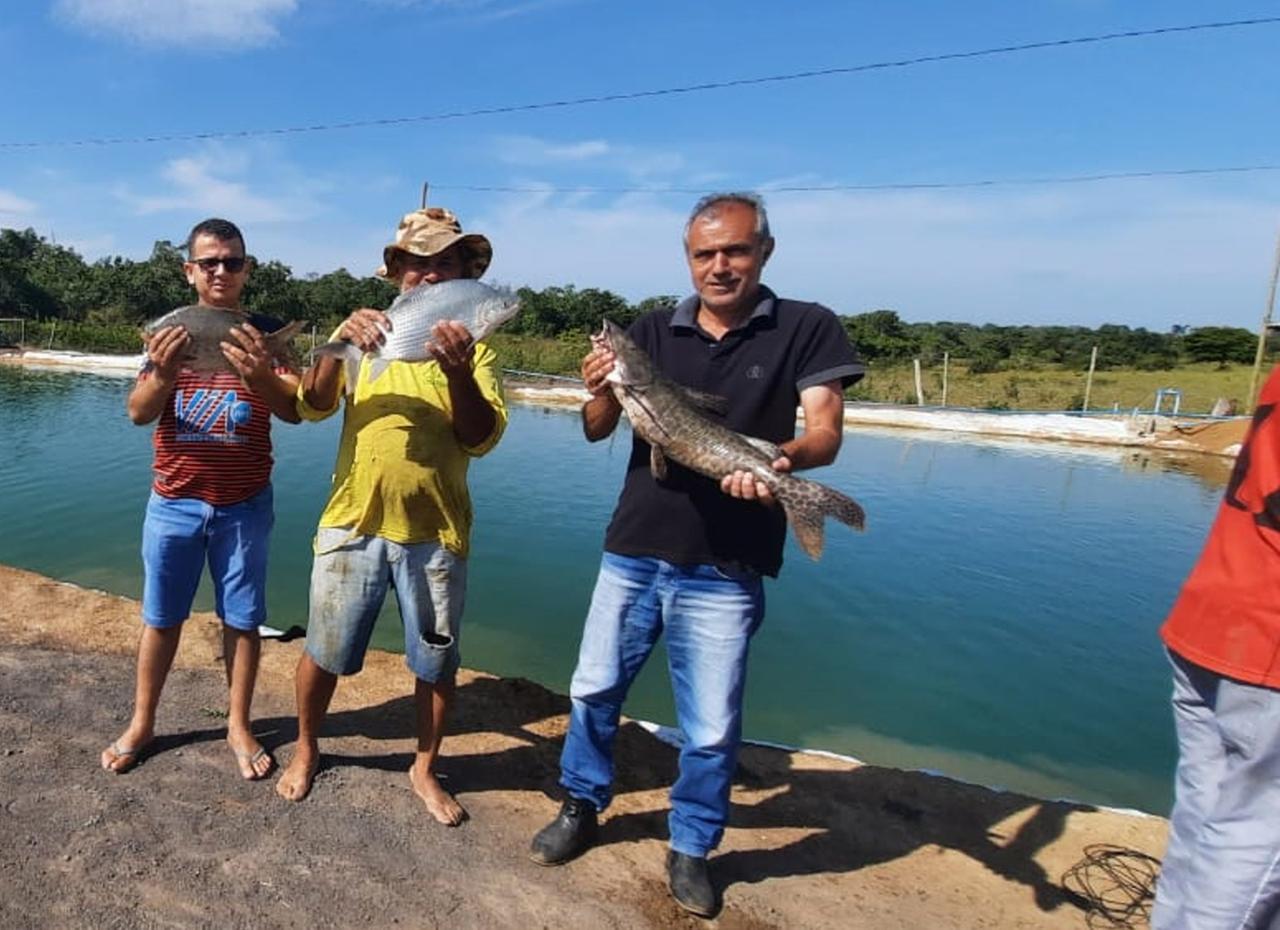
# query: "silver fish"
478,307
666,415
208,326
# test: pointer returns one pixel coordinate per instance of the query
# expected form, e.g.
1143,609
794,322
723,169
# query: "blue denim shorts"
349,581
180,534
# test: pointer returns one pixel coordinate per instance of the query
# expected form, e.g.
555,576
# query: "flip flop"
250,759
129,758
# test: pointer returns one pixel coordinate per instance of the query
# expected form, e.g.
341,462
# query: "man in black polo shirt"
686,555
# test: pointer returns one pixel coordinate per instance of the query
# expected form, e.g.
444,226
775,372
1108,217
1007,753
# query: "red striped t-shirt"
213,440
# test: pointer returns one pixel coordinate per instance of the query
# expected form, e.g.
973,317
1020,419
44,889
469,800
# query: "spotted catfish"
669,418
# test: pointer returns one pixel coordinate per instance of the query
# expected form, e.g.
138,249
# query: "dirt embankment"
181,841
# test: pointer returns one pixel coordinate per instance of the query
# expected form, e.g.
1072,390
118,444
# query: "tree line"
41,280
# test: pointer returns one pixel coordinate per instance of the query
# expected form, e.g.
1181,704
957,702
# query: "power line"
889,186
644,94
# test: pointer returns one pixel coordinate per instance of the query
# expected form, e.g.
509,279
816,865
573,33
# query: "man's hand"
366,329
596,366
248,353
165,349
452,347
601,412
746,486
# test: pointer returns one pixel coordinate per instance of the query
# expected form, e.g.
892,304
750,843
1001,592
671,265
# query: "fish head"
631,365
497,308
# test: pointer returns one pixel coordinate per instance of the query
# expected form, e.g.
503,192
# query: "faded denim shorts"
349,581
181,535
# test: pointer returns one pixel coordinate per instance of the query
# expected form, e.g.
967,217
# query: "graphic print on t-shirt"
210,415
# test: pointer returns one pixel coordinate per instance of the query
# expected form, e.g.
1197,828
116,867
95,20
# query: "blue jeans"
1221,867
709,618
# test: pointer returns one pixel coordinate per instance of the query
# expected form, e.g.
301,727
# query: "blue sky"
1150,252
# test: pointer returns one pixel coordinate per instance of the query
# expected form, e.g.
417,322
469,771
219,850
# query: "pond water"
996,622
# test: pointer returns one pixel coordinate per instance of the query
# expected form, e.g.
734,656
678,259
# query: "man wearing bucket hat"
399,512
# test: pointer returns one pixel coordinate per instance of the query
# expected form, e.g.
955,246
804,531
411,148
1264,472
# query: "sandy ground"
182,841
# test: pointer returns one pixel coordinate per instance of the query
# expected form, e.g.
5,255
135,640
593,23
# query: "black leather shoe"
690,882
569,835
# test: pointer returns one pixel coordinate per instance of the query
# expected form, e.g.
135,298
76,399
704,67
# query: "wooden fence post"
1088,384
1262,334
946,364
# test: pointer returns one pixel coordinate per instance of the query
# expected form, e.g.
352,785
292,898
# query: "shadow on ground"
882,814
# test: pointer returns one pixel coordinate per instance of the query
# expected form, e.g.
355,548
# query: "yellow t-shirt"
401,472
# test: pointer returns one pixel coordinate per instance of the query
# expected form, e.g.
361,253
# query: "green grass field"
1046,389
1036,389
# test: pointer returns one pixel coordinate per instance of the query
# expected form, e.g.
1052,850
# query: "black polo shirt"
760,369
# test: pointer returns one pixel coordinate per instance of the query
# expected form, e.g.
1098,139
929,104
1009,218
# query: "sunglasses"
210,265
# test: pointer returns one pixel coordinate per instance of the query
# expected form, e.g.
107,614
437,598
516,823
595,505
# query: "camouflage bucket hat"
430,231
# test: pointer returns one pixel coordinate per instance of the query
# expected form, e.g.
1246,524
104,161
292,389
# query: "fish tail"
280,343
807,503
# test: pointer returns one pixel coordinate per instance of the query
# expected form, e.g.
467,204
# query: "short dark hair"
222,230
707,206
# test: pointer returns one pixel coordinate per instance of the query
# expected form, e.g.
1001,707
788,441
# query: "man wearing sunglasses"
211,497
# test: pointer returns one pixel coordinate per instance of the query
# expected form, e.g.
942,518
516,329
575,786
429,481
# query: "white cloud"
634,163
629,245
527,150
12,204
224,24
211,184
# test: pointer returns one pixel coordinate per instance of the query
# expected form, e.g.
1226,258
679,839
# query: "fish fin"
806,525
657,463
806,504
351,370
345,352
280,343
335,349
285,332
839,506
377,365
712,402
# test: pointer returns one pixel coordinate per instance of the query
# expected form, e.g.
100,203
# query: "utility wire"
890,186
643,94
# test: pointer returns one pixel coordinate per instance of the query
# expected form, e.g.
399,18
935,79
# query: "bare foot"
124,753
254,761
295,782
440,803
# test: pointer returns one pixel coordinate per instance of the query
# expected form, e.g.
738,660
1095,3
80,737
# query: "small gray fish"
666,415
478,307
208,326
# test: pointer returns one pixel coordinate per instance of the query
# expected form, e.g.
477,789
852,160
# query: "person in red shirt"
211,497
1222,865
